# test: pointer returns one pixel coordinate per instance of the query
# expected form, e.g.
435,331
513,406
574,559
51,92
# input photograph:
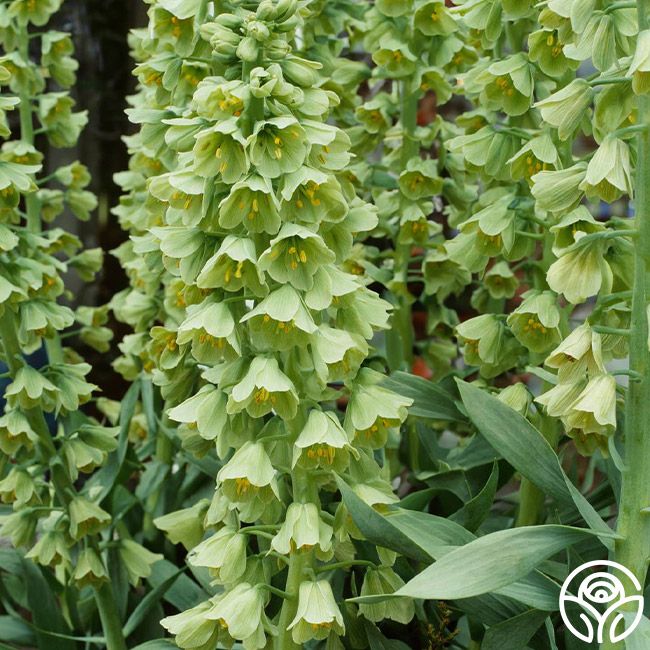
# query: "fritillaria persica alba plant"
249,226
320,197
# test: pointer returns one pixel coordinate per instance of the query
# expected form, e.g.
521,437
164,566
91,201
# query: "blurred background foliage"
100,31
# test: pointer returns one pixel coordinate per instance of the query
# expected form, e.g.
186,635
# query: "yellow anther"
303,257
217,153
243,485
262,395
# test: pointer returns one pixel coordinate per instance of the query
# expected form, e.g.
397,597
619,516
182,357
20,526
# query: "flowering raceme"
246,234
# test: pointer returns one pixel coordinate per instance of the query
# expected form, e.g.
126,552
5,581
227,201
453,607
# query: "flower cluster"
534,232
46,442
248,320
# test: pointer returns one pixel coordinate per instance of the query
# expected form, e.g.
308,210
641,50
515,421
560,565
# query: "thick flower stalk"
264,331
49,447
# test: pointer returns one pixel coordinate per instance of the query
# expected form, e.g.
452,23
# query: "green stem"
27,133
399,341
111,623
344,565
611,80
303,489
633,549
32,204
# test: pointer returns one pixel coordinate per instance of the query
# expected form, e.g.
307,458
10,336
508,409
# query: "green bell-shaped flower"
538,154
311,196
322,443
488,344
137,560
223,553
192,630
264,388
278,146
384,580
443,276
340,351
581,271
303,529
184,526
317,614
500,281
248,480
37,12
294,256
579,353
89,569
281,321
30,388
373,410
535,322
434,19
233,267
546,49
594,412
508,85
640,65
557,191
15,432
211,329
420,179
86,518
51,550
571,227
609,172
253,204
221,152
566,108
17,488
240,611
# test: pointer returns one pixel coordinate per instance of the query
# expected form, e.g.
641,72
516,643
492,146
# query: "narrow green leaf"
377,529
46,615
526,449
536,591
515,633
184,593
148,603
429,400
491,562
640,638
105,478
148,406
14,630
378,641
157,644
475,511
430,532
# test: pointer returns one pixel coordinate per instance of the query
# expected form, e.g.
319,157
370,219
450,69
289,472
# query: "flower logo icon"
601,597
